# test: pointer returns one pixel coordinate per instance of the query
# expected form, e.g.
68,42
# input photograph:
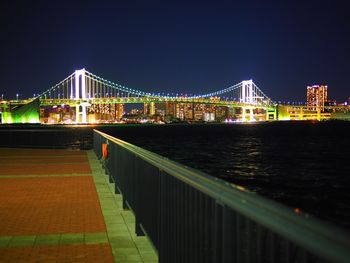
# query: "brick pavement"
50,218
57,206
58,254
33,206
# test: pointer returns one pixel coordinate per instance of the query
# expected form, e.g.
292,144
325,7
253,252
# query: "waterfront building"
221,113
209,116
105,113
170,108
317,95
198,110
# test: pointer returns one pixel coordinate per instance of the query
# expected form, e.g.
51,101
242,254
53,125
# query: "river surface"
301,164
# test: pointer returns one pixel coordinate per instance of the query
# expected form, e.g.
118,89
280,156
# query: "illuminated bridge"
83,97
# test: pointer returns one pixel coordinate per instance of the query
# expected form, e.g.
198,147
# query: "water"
300,164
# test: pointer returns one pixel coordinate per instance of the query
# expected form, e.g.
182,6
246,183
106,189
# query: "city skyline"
180,48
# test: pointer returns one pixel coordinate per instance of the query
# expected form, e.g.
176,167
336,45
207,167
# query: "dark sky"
189,46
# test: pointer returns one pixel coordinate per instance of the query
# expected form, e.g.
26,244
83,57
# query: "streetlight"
17,95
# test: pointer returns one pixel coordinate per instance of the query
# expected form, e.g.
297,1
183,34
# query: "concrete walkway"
57,206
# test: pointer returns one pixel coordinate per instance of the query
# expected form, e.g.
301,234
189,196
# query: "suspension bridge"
90,98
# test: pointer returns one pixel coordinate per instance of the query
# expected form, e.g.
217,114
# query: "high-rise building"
317,95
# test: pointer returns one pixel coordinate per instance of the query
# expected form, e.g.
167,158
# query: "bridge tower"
244,114
247,97
247,92
80,96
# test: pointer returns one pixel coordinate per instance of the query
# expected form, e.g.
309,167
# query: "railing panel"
188,224
116,168
247,241
147,198
126,176
97,144
110,165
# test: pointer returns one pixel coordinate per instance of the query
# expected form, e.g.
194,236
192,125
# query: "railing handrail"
324,240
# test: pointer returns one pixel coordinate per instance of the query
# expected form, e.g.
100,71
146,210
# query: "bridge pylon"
80,96
247,91
244,114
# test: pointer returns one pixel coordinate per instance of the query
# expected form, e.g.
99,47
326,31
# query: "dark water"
301,164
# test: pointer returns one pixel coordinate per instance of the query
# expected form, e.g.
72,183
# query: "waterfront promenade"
57,206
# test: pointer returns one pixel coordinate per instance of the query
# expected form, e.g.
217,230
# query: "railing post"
162,239
125,203
138,228
217,233
228,238
116,190
116,161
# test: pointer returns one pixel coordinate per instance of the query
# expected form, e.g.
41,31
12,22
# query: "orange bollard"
105,151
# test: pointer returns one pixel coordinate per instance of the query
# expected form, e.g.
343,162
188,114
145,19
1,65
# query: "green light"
283,114
28,113
7,118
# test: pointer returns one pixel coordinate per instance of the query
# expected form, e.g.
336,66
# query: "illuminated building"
170,108
221,113
180,111
135,112
160,109
188,111
105,112
198,112
209,116
317,95
149,108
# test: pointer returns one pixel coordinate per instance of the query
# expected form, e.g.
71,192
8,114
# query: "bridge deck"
57,206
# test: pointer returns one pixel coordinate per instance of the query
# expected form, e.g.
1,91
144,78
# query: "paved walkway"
57,206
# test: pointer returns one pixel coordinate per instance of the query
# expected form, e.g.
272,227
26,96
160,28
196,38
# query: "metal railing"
190,216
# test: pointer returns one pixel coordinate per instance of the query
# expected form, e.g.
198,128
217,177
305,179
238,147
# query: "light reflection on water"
302,164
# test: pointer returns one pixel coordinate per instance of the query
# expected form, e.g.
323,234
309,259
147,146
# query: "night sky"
181,47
